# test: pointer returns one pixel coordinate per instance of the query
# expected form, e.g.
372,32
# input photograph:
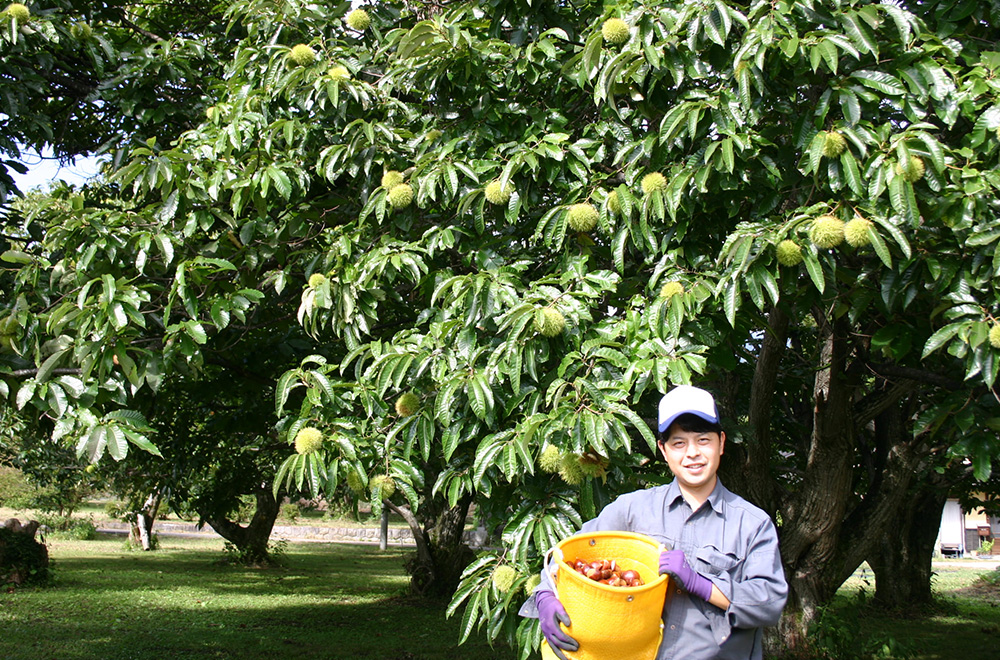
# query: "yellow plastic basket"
610,623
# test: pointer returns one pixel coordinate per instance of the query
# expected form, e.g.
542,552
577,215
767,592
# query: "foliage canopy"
714,132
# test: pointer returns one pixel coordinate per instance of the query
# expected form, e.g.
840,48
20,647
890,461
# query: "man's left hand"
675,564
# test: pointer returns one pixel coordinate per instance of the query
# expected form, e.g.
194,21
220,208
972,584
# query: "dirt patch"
986,589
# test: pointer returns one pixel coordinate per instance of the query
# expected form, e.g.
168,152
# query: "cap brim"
665,424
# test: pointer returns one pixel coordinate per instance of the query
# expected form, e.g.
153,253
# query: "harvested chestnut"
607,571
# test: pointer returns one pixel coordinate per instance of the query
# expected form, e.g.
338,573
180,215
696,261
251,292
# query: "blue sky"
44,170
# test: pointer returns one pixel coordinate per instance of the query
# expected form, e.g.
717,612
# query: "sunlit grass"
327,601
964,621
343,601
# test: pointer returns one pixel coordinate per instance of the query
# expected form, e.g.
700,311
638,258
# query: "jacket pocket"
712,561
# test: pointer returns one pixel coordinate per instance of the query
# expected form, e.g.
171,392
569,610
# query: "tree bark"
760,485
902,560
861,464
141,532
813,517
251,541
441,556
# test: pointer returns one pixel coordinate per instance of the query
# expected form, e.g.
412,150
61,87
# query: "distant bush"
290,511
81,530
15,491
69,528
61,500
115,509
244,510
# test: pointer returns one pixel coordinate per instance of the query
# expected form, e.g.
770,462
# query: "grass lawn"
343,601
964,624
328,601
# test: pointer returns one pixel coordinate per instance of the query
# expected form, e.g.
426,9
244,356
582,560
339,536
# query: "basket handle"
553,567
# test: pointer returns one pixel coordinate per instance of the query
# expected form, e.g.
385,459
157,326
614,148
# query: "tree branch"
889,371
146,33
18,373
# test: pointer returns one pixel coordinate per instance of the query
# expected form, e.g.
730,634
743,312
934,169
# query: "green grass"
327,601
342,601
964,623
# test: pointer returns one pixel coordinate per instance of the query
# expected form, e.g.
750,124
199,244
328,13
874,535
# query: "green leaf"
814,268
859,32
283,475
25,393
166,248
169,208
45,371
816,151
850,169
16,257
93,444
942,336
897,235
196,331
485,457
286,383
880,247
117,443
450,439
880,82
903,200
142,442
730,301
639,425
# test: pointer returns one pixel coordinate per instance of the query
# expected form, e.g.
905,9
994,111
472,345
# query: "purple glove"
550,614
674,564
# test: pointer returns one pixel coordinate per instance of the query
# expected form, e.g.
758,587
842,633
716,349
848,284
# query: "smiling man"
722,551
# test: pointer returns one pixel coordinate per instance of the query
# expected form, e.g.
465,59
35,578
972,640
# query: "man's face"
693,457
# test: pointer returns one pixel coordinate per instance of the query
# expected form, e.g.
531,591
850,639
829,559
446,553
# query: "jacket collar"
716,499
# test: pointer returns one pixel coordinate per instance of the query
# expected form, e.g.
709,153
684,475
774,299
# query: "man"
722,552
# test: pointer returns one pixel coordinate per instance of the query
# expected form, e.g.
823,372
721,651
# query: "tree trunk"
250,541
761,487
383,530
441,556
814,516
902,561
141,530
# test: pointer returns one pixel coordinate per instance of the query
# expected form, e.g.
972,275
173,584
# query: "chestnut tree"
507,228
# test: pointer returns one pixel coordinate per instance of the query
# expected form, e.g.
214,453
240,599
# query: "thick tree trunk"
847,496
814,517
436,568
251,541
902,561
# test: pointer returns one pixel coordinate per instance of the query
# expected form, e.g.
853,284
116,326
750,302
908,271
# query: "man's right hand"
550,614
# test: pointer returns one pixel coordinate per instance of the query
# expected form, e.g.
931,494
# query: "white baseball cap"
685,399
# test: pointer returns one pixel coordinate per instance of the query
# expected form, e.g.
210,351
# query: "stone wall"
398,536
